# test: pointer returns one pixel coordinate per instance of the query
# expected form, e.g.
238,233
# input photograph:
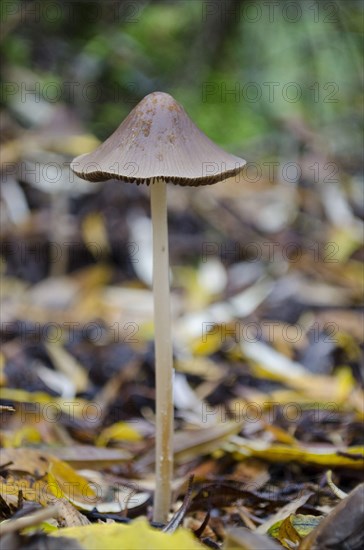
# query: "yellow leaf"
2,370
46,406
324,455
345,383
349,344
73,486
120,431
23,396
345,241
53,477
303,524
281,435
196,295
209,344
45,527
92,277
75,145
21,437
35,492
95,235
136,536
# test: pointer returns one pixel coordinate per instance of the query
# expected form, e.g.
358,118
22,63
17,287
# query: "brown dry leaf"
350,322
26,460
69,516
252,471
191,443
88,456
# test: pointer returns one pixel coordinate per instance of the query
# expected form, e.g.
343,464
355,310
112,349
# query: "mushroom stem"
163,353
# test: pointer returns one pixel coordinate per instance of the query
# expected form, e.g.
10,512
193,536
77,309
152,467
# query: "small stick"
7,408
18,524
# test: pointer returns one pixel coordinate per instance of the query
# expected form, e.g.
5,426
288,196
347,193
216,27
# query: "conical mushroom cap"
158,140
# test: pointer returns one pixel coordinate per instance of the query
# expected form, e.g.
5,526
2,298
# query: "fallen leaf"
21,437
69,516
52,477
87,456
342,528
285,511
293,529
136,536
95,235
325,455
120,431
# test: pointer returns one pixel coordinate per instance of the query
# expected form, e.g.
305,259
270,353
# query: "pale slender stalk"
163,353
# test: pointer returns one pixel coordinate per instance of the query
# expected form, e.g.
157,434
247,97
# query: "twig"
337,492
180,514
7,408
28,521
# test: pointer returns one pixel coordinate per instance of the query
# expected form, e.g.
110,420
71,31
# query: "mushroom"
158,143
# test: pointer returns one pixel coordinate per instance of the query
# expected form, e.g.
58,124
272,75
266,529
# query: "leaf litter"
268,355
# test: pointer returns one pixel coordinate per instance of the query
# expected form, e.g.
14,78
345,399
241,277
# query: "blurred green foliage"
240,68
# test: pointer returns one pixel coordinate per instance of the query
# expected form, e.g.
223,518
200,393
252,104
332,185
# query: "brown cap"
158,140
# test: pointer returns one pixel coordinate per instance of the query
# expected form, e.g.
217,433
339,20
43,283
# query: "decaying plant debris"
268,398
266,280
